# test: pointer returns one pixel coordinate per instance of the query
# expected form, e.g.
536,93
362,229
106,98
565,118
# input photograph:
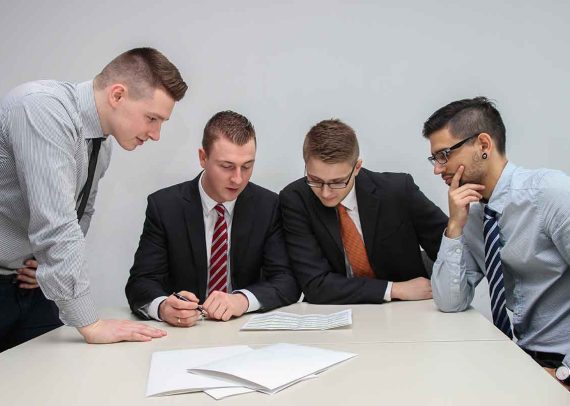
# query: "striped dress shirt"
45,133
533,211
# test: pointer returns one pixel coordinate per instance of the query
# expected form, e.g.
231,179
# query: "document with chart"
291,321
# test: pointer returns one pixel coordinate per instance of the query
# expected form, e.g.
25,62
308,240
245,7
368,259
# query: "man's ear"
116,94
357,167
485,143
202,156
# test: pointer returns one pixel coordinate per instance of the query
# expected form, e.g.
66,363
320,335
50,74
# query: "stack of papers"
290,321
226,371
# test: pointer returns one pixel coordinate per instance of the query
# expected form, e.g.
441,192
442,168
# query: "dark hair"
467,117
331,141
235,127
142,70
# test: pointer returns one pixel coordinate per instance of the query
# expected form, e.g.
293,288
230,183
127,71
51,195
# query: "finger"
28,286
227,315
467,192
31,263
456,178
27,271
26,279
468,200
141,328
189,295
220,312
134,336
189,321
184,314
178,304
213,307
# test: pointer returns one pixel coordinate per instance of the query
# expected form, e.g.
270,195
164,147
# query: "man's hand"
113,331
459,199
414,289
222,306
27,276
180,313
552,372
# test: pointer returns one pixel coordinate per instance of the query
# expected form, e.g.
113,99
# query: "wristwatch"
563,374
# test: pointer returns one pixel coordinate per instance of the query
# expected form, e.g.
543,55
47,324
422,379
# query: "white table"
408,353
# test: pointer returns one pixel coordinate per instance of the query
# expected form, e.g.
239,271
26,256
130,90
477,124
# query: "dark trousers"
546,359
24,313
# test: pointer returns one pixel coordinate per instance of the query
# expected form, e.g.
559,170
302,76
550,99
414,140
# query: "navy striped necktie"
495,271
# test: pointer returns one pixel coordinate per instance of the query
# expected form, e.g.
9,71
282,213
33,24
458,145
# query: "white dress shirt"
210,217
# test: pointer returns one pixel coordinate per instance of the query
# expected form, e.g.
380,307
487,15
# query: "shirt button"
455,281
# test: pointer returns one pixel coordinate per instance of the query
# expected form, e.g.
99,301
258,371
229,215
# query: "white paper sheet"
272,368
290,321
168,374
220,393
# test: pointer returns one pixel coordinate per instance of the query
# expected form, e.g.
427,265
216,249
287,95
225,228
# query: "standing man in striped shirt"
53,151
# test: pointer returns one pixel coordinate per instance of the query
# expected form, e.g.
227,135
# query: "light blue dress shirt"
533,209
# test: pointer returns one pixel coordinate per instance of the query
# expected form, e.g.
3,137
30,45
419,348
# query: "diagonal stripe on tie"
491,234
218,269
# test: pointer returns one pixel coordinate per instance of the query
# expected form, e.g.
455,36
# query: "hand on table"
224,306
414,289
180,313
112,331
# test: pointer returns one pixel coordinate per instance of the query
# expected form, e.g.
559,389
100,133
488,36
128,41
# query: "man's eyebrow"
158,116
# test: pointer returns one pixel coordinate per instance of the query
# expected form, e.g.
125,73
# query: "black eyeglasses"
332,185
441,157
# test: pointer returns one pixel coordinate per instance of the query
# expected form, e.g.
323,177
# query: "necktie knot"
220,209
490,213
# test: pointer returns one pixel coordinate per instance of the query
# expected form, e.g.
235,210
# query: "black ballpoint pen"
200,308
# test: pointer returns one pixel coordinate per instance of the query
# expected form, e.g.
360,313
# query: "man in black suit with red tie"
215,240
354,235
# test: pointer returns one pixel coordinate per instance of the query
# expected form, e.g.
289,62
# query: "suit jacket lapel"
194,217
328,216
242,223
369,203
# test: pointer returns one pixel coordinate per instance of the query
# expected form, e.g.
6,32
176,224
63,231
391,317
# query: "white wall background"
381,66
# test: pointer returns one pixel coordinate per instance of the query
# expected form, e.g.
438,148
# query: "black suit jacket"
396,218
172,250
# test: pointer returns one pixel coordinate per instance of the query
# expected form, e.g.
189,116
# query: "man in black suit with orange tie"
215,240
354,235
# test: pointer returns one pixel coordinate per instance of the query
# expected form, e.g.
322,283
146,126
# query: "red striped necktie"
218,271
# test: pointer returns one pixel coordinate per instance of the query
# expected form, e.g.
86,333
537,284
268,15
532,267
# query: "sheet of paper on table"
290,321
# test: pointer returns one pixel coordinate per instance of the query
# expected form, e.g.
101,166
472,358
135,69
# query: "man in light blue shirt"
507,223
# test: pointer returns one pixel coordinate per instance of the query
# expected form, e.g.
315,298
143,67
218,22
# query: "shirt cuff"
388,293
452,248
254,304
151,309
78,312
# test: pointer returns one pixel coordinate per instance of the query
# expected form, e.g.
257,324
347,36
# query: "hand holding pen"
181,309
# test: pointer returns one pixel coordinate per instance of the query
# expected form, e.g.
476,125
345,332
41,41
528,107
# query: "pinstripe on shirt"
45,128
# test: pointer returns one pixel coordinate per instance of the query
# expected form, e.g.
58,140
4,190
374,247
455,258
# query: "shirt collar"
88,110
500,195
208,203
350,200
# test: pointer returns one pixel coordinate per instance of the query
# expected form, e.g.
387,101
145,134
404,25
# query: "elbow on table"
448,304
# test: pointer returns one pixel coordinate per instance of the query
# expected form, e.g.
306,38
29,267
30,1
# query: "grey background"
381,66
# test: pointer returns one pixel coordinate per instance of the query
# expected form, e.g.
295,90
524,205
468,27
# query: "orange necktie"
353,245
